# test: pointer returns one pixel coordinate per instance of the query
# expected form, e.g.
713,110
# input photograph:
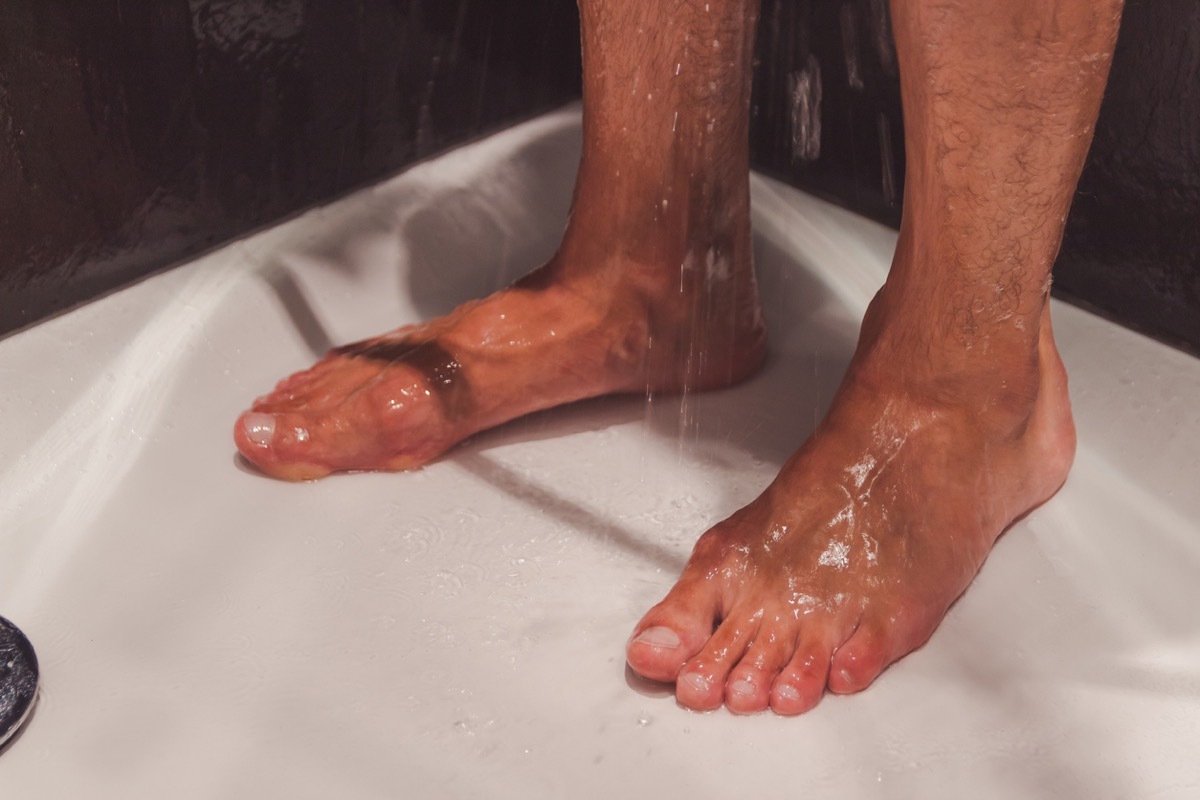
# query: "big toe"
280,445
669,635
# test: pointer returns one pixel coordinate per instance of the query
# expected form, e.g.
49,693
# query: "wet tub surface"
205,632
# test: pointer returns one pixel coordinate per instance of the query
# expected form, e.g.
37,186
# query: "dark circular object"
18,679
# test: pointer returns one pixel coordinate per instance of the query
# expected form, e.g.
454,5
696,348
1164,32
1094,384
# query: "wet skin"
851,557
953,419
397,401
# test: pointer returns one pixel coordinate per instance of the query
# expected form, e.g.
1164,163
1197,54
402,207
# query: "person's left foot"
852,556
399,400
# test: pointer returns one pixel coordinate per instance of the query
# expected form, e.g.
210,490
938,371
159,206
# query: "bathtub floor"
205,632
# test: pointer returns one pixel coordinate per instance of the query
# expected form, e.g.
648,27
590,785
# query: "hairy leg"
953,419
652,287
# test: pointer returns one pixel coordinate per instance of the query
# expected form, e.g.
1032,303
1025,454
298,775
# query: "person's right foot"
397,401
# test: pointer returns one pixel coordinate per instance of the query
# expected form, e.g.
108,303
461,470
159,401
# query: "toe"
322,387
858,662
671,633
748,689
279,445
801,683
702,680
372,419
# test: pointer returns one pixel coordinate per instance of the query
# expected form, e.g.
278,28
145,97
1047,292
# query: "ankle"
997,381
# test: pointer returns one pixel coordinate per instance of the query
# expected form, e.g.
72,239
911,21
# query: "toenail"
743,686
697,682
847,678
260,428
660,637
786,691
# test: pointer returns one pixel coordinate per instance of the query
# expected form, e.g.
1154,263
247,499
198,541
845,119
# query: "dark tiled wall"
134,133
1132,246
826,104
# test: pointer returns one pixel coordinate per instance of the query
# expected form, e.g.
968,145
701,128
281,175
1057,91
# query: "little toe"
859,661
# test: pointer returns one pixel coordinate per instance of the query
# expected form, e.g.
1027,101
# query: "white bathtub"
205,632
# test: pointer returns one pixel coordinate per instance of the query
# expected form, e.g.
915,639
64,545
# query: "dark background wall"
826,103
1132,246
134,133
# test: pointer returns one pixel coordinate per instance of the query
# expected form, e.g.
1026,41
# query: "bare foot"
850,559
399,400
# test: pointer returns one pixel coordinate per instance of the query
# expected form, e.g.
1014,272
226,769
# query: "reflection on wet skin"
442,371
